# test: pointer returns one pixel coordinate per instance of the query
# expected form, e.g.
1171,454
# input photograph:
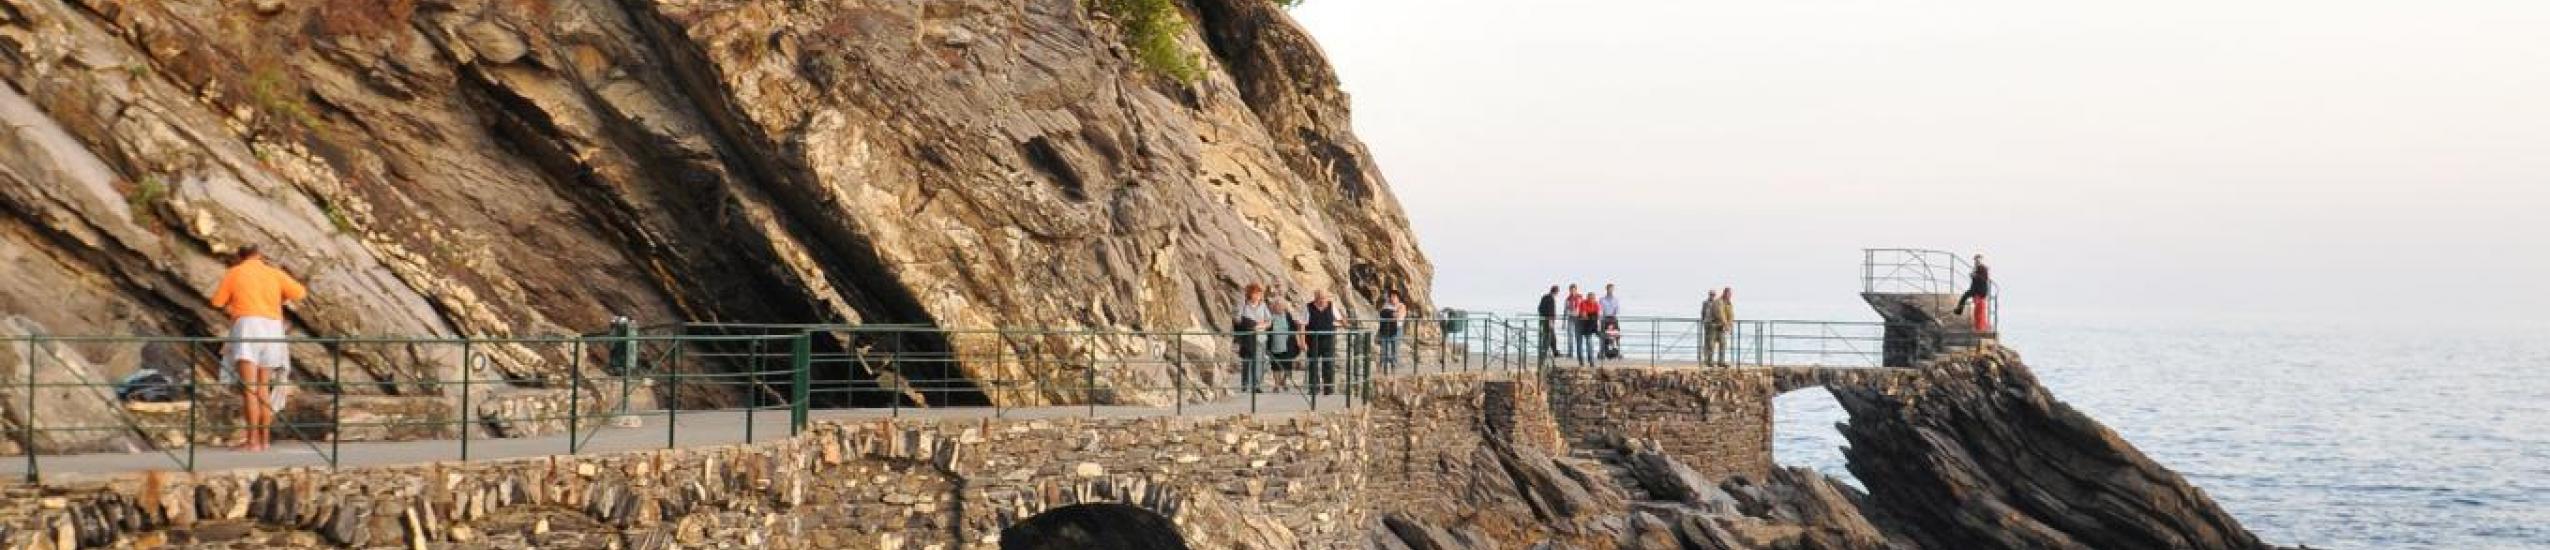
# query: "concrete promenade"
687,429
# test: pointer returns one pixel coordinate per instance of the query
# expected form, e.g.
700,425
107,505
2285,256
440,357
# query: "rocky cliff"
1968,452
532,167
1976,454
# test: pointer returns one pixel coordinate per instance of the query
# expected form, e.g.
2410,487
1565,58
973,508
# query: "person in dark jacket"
1978,290
1549,330
1321,326
1388,332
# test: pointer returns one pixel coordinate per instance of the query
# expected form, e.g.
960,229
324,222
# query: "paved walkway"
660,430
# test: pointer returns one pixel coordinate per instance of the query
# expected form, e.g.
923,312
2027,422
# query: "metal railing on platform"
466,391
1674,341
1920,271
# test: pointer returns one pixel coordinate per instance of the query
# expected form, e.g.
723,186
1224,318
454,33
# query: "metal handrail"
767,368
1923,271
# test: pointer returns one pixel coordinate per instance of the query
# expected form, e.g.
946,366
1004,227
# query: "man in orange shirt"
254,293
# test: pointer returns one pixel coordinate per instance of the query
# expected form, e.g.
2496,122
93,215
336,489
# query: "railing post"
34,472
673,394
801,361
194,403
463,415
894,396
575,389
1342,371
1257,369
336,405
1089,381
752,388
1867,270
1655,340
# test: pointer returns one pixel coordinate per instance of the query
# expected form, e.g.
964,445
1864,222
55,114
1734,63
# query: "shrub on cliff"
1151,29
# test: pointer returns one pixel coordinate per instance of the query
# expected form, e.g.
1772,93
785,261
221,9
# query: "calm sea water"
2328,436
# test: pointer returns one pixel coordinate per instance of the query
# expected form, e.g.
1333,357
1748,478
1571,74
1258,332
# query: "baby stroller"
1611,338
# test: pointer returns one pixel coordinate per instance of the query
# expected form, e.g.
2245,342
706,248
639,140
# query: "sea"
2330,436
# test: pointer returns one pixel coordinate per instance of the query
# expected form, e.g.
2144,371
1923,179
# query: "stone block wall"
1718,421
1229,482
1426,431
1295,480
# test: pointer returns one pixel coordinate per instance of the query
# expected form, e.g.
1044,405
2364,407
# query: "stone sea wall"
1716,421
1293,480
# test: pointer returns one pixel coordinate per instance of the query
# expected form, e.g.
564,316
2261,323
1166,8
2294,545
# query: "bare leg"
252,402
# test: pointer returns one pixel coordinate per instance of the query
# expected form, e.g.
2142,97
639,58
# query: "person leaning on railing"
1249,319
1979,291
254,294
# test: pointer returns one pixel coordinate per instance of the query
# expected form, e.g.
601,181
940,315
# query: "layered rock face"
533,167
1966,452
1976,454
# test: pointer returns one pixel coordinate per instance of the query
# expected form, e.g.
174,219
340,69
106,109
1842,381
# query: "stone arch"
1826,383
1096,525
1803,431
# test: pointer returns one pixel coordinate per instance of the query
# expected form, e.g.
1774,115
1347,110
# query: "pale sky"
2270,159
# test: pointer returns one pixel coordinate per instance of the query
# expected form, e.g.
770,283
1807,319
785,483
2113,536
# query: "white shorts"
272,354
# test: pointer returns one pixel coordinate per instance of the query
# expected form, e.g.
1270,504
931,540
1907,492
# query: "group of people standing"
1274,338
1593,322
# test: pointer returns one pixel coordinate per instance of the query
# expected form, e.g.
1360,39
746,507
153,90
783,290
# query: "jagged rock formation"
530,167
1967,452
1644,500
1976,454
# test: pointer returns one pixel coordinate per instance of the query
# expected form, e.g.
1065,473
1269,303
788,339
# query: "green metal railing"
896,368
461,390
712,383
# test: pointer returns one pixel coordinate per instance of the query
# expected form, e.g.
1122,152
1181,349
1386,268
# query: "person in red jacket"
1589,315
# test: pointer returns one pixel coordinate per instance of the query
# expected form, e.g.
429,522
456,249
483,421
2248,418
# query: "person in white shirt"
1250,319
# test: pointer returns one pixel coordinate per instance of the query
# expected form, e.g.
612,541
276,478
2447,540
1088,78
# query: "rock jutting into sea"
1970,453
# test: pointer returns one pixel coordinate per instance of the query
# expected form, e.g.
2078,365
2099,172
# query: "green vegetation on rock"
144,199
1151,29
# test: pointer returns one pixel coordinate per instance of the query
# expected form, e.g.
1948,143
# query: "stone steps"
1616,465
